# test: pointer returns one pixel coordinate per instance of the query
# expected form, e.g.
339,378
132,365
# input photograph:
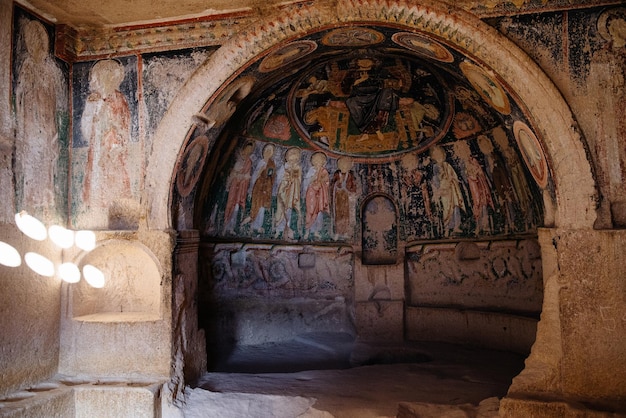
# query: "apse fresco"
322,128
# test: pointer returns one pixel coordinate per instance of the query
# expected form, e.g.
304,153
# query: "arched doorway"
568,193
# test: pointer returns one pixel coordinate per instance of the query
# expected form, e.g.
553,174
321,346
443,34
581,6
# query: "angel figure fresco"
288,194
315,86
343,188
237,186
40,98
106,126
317,197
447,192
263,184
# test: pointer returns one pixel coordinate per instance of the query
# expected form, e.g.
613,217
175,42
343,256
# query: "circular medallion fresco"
531,152
487,87
353,37
287,54
191,165
370,107
423,45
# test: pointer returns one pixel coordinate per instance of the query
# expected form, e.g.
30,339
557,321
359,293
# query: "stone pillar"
379,294
579,357
189,347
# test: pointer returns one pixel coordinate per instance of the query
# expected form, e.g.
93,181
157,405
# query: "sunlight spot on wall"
9,256
85,240
69,272
94,276
39,264
30,226
62,237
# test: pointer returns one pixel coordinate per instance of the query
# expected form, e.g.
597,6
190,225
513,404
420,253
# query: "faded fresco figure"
288,194
261,197
106,126
40,99
498,175
237,186
447,192
344,187
379,233
317,197
521,191
417,202
480,190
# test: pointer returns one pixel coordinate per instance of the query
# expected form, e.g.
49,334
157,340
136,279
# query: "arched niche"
132,283
379,230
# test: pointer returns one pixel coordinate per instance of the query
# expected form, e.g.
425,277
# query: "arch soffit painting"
574,185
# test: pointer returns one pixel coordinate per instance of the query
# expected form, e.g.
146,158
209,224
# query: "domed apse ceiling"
329,137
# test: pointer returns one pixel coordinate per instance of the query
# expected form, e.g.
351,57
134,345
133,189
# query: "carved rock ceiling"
96,13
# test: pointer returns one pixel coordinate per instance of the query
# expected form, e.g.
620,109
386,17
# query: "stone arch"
575,190
574,184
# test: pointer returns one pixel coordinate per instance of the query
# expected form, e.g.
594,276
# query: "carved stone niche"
379,237
132,287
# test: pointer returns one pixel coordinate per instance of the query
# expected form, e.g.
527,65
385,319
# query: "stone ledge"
88,397
514,408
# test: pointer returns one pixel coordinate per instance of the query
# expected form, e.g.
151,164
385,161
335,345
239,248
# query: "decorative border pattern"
85,44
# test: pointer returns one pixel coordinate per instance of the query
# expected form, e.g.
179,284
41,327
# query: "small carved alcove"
379,230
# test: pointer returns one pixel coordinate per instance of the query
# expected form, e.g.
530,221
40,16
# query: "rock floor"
331,375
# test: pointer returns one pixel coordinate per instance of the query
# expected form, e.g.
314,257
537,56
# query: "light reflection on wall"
39,264
62,238
69,272
9,256
30,226
93,276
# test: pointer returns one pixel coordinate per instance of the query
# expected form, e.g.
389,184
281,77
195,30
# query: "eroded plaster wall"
29,303
583,52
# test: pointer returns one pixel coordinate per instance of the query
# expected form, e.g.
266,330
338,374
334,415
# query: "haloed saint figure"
106,126
40,100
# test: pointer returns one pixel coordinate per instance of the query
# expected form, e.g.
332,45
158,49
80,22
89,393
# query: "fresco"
40,101
366,107
463,188
163,74
105,135
316,130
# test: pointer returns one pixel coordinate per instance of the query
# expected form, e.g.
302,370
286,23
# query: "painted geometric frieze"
88,43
